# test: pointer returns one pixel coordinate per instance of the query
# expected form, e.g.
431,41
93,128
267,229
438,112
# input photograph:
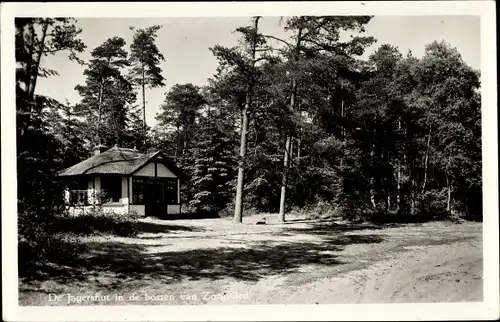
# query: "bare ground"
212,261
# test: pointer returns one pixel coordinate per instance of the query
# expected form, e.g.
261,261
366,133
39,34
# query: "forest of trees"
282,123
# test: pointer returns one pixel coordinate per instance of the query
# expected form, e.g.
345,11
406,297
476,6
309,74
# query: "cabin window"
138,187
154,190
170,190
77,192
112,188
78,184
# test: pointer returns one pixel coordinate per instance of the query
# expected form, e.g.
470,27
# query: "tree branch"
278,39
52,51
321,25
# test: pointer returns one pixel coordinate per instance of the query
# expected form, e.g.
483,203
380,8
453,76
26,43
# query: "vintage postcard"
249,161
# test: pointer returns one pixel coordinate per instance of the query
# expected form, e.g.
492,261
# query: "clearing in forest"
213,261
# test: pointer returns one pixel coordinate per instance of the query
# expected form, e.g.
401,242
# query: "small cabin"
122,180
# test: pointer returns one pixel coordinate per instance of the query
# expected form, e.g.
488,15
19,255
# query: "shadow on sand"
331,228
190,216
91,225
133,262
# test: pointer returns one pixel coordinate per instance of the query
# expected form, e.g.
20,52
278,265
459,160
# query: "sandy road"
433,262
449,272
442,273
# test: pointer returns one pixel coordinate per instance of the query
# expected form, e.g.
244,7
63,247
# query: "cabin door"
154,198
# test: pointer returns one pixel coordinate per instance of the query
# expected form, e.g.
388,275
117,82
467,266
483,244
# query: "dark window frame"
78,191
141,181
111,186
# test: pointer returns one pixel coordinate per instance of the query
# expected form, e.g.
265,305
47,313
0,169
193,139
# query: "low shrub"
98,221
381,217
319,210
36,227
37,238
186,208
228,211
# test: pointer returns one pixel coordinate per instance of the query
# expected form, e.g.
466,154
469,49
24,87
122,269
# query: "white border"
489,309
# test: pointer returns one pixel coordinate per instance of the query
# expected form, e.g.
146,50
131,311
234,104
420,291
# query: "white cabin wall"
90,190
179,192
124,199
173,209
94,189
106,208
147,171
97,183
163,171
131,187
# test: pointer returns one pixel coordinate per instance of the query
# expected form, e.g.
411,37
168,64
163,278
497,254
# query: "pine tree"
178,114
107,94
313,35
243,62
146,58
177,122
39,149
450,123
377,117
214,163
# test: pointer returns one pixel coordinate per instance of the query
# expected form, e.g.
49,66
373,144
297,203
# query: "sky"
185,44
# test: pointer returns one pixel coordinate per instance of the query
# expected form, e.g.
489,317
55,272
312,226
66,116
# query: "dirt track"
444,273
299,262
434,262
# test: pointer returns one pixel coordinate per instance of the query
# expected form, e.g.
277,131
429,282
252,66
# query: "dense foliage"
394,135
44,127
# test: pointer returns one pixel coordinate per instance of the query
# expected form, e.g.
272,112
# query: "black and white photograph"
246,159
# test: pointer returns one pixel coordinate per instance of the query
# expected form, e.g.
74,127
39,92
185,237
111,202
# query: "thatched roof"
116,161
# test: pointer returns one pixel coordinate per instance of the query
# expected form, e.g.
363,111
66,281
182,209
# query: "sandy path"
431,273
433,262
444,273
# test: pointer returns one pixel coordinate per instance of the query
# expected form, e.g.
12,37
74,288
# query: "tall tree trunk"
426,162
286,163
398,188
178,148
412,194
29,63
32,67
144,104
99,107
99,103
399,174
99,111
388,182
372,193
281,216
372,178
184,140
238,203
38,60
288,144
448,199
255,141
342,129
298,150
388,203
